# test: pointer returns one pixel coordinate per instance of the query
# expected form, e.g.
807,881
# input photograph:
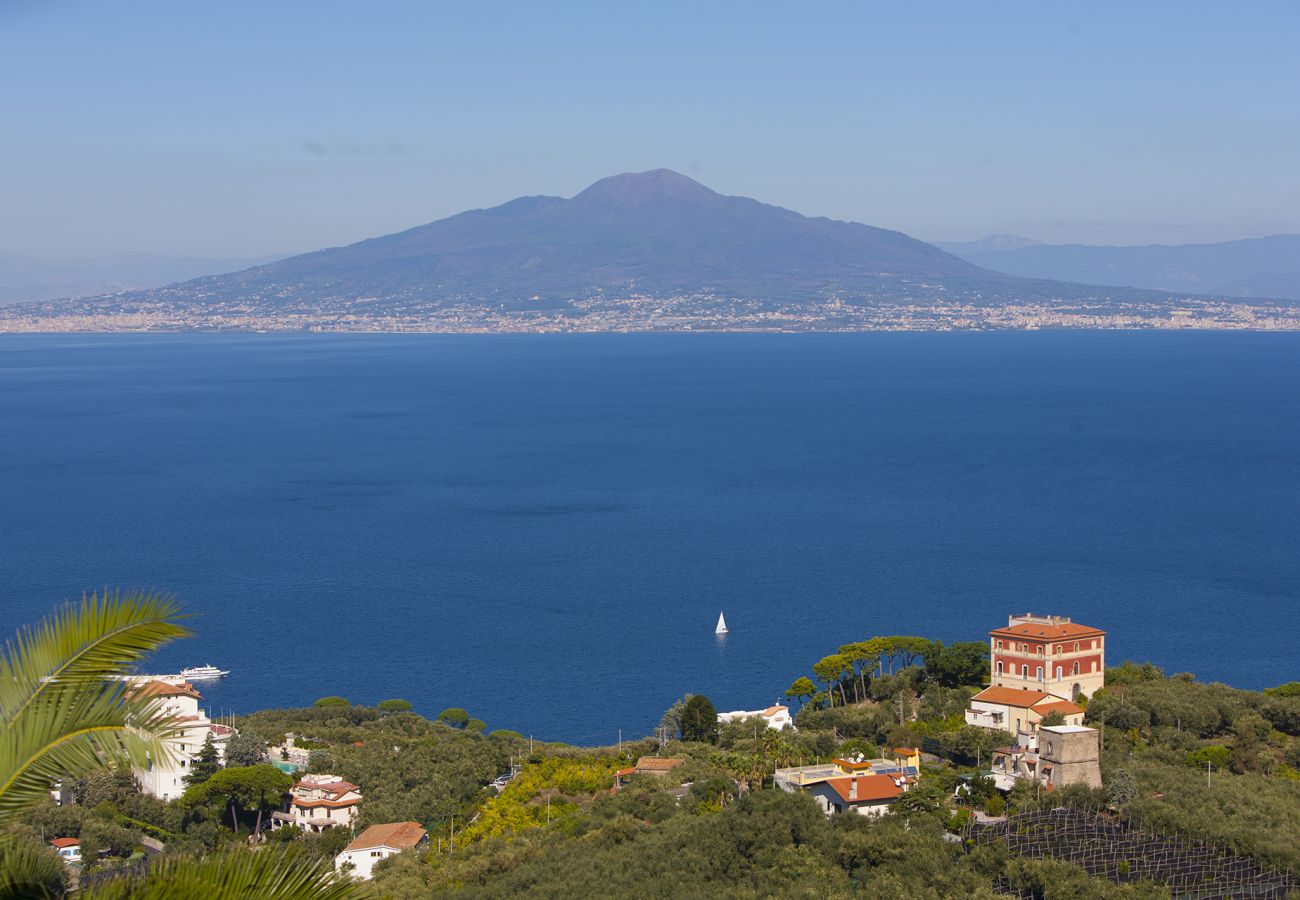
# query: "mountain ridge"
1264,267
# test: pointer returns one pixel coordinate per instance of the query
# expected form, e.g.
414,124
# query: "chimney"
853,788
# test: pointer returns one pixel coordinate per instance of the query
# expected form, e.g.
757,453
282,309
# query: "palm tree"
236,873
66,711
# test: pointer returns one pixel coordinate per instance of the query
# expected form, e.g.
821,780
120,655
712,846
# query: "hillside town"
1040,668
978,734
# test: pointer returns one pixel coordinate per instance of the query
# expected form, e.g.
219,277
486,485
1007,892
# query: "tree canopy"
245,749
454,716
699,720
205,764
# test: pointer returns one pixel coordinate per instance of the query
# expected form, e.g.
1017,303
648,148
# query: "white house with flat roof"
776,717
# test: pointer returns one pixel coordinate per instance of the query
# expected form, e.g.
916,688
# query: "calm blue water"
543,529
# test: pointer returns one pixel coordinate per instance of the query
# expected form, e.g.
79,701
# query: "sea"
543,529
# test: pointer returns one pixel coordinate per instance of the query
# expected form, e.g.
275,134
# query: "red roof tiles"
163,689
398,835
657,764
870,788
1006,696
1048,632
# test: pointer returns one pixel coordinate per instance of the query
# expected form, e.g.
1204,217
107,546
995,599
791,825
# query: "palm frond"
98,640
29,870
236,874
64,710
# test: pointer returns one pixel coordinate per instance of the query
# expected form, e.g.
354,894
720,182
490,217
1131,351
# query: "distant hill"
1266,267
25,278
984,245
652,232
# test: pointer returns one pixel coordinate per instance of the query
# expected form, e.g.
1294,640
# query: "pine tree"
205,764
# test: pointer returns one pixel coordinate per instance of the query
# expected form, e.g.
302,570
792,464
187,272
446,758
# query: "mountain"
24,278
641,251
652,232
1266,267
984,245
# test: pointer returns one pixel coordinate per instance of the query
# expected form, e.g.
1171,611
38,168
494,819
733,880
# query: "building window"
1024,671
1059,648
1040,649
999,645
1076,669
1076,646
1059,673
1040,673
999,667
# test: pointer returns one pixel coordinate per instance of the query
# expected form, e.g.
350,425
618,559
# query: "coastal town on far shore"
637,313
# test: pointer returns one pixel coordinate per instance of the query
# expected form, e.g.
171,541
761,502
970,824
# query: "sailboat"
722,625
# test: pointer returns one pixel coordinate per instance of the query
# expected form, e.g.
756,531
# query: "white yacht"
204,673
722,625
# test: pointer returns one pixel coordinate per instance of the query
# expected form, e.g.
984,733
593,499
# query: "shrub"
1215,755
330,702
394,705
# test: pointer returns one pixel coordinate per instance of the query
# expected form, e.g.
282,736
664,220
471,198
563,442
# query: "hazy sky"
237,128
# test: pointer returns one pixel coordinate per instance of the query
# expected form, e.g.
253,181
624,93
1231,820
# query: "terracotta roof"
906,751
65,842
622,772
329,787
1006,696
657,764
1048,632
163,689
869,788
775,710
1064,707
398,835
332,804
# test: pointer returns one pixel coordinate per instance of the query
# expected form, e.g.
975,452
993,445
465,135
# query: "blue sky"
256,128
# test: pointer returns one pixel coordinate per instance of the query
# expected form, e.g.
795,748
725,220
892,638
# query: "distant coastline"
654,314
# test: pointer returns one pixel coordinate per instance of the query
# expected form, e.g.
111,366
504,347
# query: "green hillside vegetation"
714,826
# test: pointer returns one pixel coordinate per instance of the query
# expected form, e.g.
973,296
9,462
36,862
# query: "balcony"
983,719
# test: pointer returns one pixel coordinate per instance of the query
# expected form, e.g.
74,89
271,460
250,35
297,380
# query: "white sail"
722,625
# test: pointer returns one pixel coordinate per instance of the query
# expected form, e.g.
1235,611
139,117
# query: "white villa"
318,802
165,778
777,717
377,843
